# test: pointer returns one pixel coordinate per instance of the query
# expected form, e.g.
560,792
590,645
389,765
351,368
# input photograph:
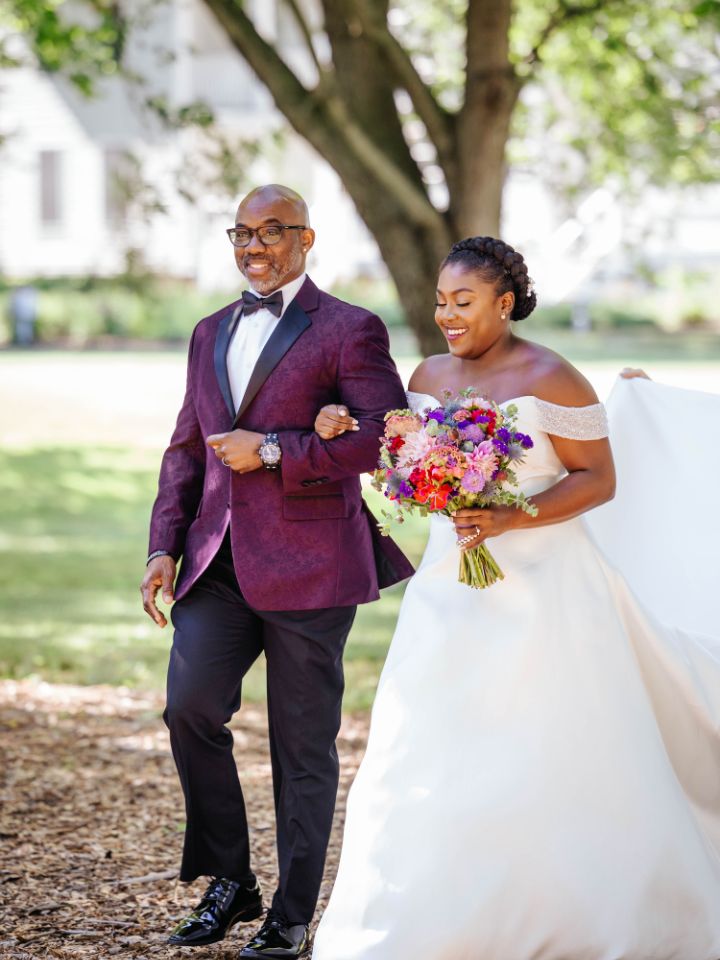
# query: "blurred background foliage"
140,307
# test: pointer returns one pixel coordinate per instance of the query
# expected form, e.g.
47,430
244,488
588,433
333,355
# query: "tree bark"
483,123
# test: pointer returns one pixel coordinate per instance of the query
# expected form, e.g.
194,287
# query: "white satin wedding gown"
542,778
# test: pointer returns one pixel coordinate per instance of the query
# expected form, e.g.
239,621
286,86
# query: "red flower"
435,497
439,498
423,492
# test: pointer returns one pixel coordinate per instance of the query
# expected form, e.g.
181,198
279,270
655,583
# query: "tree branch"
565,11
304,28
321,116
390,177
437,120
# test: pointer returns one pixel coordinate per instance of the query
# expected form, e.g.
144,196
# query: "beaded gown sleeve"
572,423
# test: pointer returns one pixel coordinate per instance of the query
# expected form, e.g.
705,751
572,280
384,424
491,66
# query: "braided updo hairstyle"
497,262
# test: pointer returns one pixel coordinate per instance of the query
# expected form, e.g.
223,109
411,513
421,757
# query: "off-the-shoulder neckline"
524,396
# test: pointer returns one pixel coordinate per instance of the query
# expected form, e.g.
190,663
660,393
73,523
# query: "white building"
64,155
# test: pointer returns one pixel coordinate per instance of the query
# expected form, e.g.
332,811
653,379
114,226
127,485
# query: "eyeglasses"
269,235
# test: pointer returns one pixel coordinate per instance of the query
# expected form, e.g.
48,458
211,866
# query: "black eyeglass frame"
266,226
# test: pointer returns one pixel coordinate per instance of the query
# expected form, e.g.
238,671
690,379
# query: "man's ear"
307,239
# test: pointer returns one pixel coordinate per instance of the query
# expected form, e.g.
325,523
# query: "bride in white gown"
542,777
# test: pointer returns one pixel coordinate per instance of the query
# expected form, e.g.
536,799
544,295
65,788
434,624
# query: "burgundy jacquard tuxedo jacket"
302,537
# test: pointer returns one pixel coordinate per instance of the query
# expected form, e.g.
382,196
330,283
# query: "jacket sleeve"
369,385
182,474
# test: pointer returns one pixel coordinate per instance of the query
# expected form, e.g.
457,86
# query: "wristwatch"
270,452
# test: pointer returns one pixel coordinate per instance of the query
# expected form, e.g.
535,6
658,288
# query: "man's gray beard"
272,283
265,286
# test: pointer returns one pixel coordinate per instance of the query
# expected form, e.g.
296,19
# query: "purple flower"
473,481
524,440
405,489
472,432
437,415
502,448
504,434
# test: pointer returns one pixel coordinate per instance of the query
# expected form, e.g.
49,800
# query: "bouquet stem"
478,568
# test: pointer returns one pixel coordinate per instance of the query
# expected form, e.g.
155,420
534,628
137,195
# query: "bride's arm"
590,478
335,419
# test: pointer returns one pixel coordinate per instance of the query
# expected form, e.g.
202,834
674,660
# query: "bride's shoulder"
428,374
554,379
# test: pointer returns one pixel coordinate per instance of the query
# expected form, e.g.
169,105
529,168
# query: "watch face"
270,453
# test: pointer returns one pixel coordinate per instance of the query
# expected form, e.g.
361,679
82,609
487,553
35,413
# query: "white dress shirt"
251,335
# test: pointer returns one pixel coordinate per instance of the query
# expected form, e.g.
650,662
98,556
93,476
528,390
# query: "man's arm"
179,491
369,385
181,479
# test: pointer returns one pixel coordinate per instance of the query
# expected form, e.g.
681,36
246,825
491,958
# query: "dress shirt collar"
289,291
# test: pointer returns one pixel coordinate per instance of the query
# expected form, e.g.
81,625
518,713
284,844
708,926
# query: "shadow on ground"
92,822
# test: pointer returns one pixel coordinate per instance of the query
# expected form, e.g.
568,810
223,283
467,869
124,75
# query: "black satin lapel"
223,336
294,321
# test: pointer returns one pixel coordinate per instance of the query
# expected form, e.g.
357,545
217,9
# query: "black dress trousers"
218,636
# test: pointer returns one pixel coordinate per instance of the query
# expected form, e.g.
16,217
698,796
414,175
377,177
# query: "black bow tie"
251,303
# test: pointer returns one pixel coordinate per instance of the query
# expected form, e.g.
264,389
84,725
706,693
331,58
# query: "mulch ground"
92,817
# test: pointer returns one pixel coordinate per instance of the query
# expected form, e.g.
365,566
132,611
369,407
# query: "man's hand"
160,573
238,449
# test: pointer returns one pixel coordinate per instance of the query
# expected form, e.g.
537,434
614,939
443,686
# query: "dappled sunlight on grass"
73,535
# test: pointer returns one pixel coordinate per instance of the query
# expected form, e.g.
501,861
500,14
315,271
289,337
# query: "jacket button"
305,483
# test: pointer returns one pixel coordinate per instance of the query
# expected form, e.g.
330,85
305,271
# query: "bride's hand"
333,420
482,522
629,373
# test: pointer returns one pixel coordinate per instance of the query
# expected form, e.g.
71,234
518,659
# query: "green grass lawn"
73,531
81,436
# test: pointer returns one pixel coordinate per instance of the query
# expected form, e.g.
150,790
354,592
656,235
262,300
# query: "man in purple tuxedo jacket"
277,550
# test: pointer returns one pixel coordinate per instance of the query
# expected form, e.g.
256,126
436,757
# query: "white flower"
416,446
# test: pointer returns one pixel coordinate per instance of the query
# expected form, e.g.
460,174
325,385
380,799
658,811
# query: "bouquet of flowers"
457,455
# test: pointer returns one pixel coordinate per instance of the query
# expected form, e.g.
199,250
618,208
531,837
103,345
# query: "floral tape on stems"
452,457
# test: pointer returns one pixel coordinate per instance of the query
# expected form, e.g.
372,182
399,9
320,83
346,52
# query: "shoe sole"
270,956
254,955
245,916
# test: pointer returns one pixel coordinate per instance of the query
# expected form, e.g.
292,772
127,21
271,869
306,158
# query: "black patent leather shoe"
278,938
225,903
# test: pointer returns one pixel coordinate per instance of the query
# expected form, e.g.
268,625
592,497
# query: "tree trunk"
483,124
